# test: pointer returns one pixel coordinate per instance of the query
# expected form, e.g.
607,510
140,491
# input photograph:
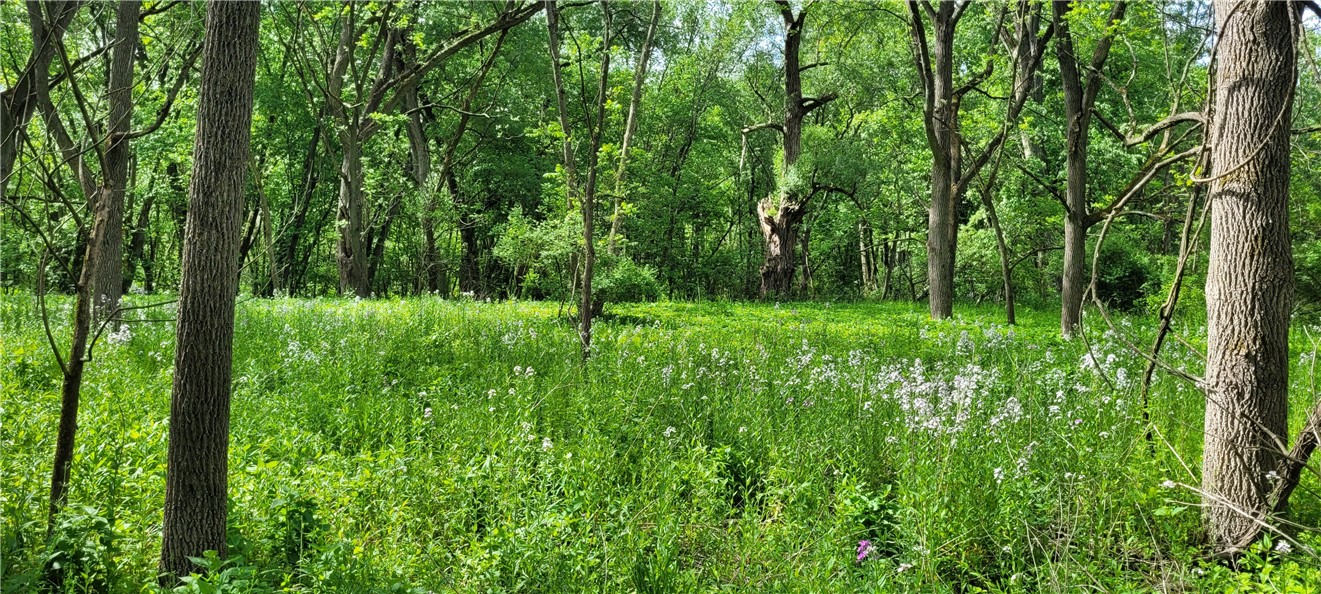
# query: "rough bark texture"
779,214
941,109
1080,92
1249,283
197,462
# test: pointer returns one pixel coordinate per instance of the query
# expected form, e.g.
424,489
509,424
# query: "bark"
1080,92
936,67
941,102
351,247
570,167
19,102
108,228
630,126
1249,283
197,459
138,245
779,213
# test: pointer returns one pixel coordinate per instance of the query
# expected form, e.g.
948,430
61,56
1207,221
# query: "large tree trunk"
1249,283
780,234
780,213
197,461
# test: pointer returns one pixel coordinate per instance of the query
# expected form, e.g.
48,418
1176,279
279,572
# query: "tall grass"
430,445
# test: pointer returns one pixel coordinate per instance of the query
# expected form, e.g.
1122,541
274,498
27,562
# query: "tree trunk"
108,233
138,245
351,249
941,108
1249,283
19,102
197,460
630,126
93,299
570,165
1080,92
778,214
310,176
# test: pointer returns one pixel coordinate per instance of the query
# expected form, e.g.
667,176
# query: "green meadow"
425,445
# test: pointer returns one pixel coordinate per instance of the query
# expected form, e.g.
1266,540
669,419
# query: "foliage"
395,446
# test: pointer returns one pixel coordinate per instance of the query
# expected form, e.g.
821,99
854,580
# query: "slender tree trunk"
1080,92
108,233
267,234
18,103
351,249
197,461
630,126
107,227
570,165
138,243
1249,283
587,309
311,176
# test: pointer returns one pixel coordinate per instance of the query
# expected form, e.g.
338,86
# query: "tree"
197,461
1249,282
942,102
1080,92
99,281
586,307
779,213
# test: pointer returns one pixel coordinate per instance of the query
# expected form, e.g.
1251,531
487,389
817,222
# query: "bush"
621,280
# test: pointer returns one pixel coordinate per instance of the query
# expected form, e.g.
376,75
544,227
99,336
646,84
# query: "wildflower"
1283,547
669,431
999,474
547,444
903,567
742,429
864,550
1168,484
426,413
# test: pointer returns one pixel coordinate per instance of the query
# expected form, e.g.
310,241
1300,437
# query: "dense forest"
358,216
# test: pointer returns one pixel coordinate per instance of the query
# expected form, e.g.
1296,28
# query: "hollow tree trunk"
1249,283
196,493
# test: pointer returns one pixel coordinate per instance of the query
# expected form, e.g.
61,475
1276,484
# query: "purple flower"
864,550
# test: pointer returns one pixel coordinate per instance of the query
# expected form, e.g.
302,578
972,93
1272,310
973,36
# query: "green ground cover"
429,445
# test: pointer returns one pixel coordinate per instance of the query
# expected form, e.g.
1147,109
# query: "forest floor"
447,446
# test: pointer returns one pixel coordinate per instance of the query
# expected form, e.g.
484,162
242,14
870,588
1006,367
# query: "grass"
429,445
